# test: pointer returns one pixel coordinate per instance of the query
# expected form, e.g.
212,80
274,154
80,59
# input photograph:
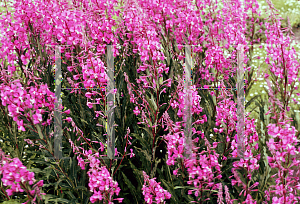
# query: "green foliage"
286,8
11,202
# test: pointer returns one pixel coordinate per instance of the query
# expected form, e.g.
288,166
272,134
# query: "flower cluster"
226,116
200,169
19,100
100,181
153,190
181,103
176,140
94,69
16,176
220,194
249,161
199,166
282,151
102,185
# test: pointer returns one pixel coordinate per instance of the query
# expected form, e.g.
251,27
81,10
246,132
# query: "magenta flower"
16,176
102,185
136,111
152,190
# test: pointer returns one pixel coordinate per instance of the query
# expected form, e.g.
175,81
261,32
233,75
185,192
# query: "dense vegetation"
149,99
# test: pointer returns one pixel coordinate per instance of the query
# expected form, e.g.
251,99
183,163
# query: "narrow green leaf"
81,188
166,184
130,186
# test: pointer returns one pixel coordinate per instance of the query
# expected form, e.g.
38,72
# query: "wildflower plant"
149,42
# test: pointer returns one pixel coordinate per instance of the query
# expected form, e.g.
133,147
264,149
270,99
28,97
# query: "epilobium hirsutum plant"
17,179
148,40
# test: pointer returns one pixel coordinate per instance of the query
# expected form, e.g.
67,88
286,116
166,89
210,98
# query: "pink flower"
69,119
9,192
96,196
14,173
119,199
102,184
152,190
76,77
131,153
81,162
21,125
175,172
37,118
136,111
40,183
68,111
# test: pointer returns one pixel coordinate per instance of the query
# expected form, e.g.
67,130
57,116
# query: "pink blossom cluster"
282,151
94,69
153,190
94,75
282,64
175,145
20,102
100,181
220,195
175,139
249,162
226,31
143,20
140,21
227,196
200,166
200,169
61,21
226,116
102,185
279,50
181,103
16,176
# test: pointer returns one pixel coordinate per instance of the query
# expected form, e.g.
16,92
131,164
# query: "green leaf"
130,186
71,194
140,139
83,121
35,170
148,156
170,190
151,102
157,161
62,200
137,173
82,188
11,202
251,100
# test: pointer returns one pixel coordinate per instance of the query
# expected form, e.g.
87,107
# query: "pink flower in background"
37,118
195,101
